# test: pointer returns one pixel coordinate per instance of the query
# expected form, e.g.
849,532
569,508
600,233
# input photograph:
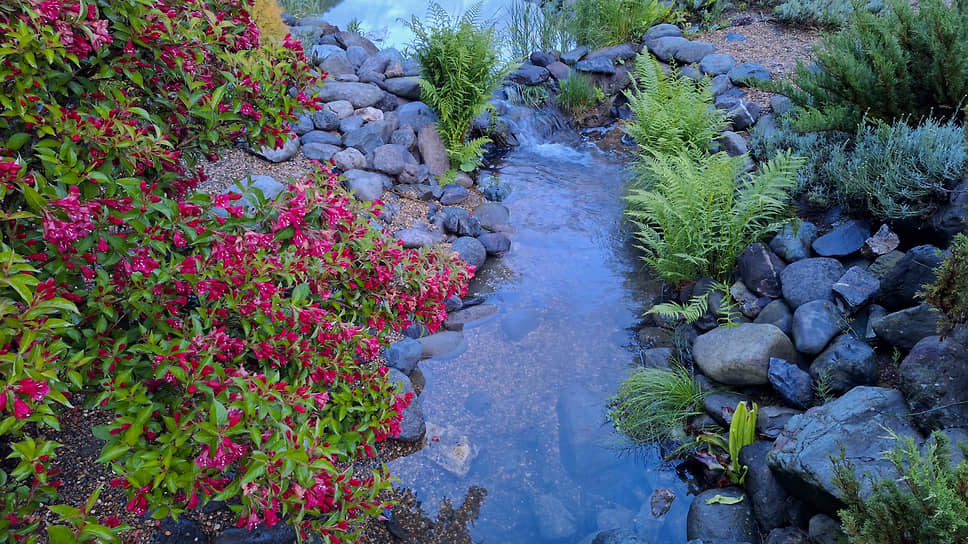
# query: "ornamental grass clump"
654,405
603,23
577,94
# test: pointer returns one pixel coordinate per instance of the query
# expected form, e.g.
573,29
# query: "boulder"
720,406
351,123
749,74
277,534
846,363
663,30
559,70
843,240
452,194
721,521
934,379
374,63
342,109
772,506
403,355
810,279
598,65
814,325
471,250
320,152
456,321
905,328
572,57
319,52
856,287
412,426
793,384
360,95
404,136
391,158
441,344
529,74
883,264
539,58
793,244
780,104
788,535
743,114
492,215
352,39
616,53
900,286
280,154
720,85
496,244
417,115
771,420
404,87
349,159
691,52
366,186
267,185
665,47
303,124
858,422
760,270
732,143
777,313
458,221
880,243
823,529
418,236
366,138
432,150
618,536
716,64
950,219
337,64
320,137
741,355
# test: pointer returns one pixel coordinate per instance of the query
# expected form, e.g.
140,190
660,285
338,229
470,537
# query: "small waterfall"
530,126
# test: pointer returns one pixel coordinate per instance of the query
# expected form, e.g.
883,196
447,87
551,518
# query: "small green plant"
823,13
301,8
949,291
708,14
927,504
532,96
577,94
602,23
461,67
653,405
823,386
533,27
689,312
355,26
671,114
698,217
742,433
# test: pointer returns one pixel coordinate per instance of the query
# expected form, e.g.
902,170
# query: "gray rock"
404,136
357,55
720,405
823,529
185,530
495,191
303,124
453,194
555,521
788,535
267,185
392,53
749,73
599,65
492,215
319,52
366,186
882,242
575,55
772,506
846,363
720,85
360,95
391,158
412,425
771,420
856,287
794,244
403,355
366,138
721,521
843,239
760,270
741,355
733,144
342,109
320,152
691,52
883,264
559,70
749,303
815,323
778,314
441,344
459,222
496,244
900,286
337,64
457,320
859,422
810,279
280,154
616,53
529,74
539,58
404,87
432,150
934,379
743,114
665,47
374,63
418,236
794,385
950,219
780,104
471,250
658,358
618,536
690,72
716,64
663,30
349,159
351,123
320,137
351,39
905,328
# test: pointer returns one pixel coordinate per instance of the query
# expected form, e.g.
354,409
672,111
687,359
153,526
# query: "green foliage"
603,23
672,114
742,433
577,94
696,218
301,8
708,14
690,312
461,67
825,13
904,63
532,96
949,292
927,504
533,26
653,405
889,171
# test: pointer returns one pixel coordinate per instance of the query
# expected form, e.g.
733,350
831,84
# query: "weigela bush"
234,349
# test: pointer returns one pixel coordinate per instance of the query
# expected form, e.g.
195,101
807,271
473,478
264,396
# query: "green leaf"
18,140
34,200
300,292
219,415
59,534
113,453
722,499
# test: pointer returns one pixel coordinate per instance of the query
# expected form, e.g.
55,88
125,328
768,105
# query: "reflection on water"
529,392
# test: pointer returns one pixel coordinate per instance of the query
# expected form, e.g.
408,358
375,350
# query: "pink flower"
33,389
20,409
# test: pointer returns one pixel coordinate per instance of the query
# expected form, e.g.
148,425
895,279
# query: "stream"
527,396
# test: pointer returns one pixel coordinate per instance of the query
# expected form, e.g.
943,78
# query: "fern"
690,312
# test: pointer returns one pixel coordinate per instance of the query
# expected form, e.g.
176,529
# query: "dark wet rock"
742,114
824,529
616,53
618,536
179,532
650,337
846,363
793,384
788,535
404,87
772,505
280,154
412,426
453,194
720,405
539,58
900,286
760,270
843,239
278,534
741,355
529,74
319,52
496,244
856,287
950,219
749,304
716,64
883,264
432,150
733,144
391,158
721,521
418,236
365,185
553,518
575,55
663,30
559,70
793,244
691,52
457,320
859,422
582,436
458,221
471,250
441,343
777,313
658,358
880,243
349,159
771,420
492,215
749,74
665,47
403,355
495,191
934,379
810,279
905,328
599,65
453,303
417,115
815,323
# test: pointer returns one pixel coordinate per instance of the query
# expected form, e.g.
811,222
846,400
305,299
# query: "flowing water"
527,395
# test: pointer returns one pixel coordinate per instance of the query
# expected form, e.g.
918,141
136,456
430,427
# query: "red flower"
33,389
20,409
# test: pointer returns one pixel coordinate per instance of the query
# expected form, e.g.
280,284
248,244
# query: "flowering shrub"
234,349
